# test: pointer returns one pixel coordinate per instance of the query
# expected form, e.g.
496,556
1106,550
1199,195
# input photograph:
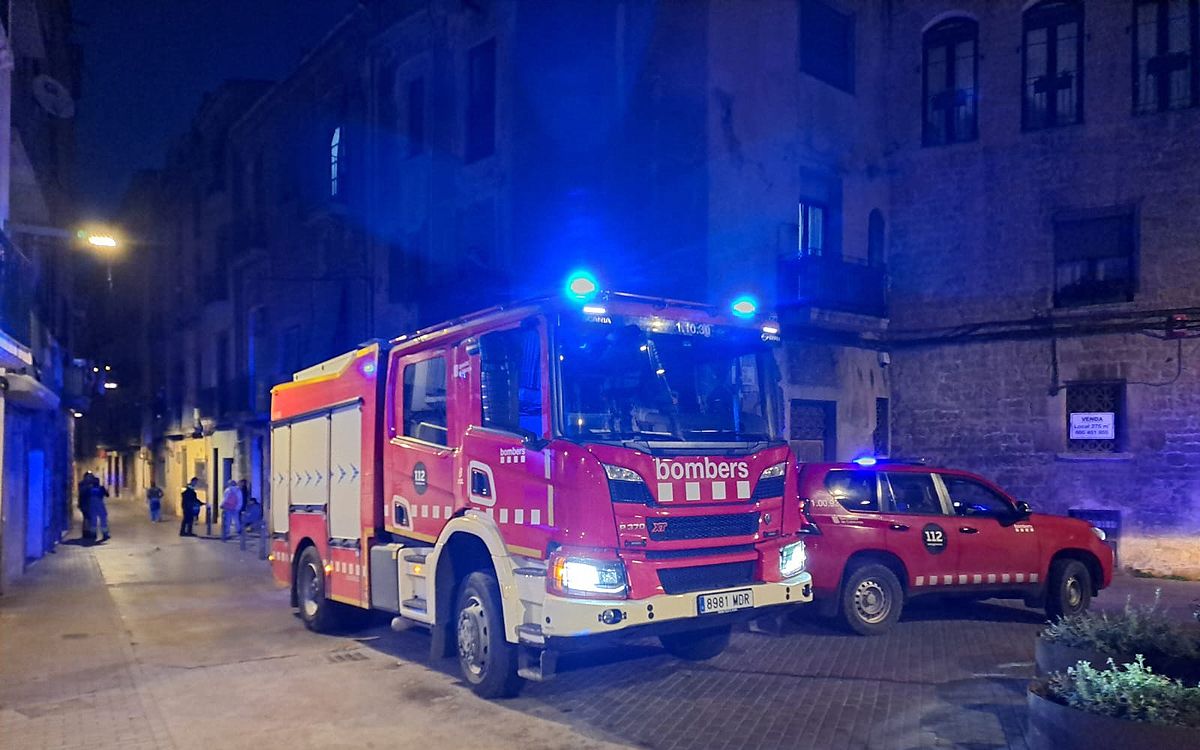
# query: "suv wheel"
1070,589
872,599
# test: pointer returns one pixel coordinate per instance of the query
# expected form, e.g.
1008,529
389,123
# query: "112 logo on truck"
678,522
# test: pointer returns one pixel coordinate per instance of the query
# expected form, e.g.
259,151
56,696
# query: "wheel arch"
1089,560
472,542
889,560
304,544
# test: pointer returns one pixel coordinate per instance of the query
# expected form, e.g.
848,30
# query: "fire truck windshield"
667,382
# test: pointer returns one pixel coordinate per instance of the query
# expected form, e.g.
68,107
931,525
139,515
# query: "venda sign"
1097,425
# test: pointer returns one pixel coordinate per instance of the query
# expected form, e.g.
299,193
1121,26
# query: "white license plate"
726,601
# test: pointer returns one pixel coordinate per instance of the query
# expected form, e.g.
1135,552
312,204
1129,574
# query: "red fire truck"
536,477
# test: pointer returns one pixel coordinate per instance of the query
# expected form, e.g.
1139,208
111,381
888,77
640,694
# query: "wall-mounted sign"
1093,425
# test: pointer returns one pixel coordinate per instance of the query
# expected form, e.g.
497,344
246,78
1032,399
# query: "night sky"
147,63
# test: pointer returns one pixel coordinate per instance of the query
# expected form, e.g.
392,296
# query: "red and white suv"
886,532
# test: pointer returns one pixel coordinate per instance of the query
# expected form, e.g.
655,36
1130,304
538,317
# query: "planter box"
1055,657
1053,726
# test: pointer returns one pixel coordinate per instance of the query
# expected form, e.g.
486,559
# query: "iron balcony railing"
833,283
17,289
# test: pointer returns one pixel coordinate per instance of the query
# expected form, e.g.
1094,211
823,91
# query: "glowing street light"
102,240
110,386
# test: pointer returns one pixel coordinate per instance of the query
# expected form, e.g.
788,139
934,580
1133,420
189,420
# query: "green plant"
1129,691
1141,629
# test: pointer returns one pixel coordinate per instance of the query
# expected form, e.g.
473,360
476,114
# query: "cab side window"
425,400
854,490
910,492
971,498
511,380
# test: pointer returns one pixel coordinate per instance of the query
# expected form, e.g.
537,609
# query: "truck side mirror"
1023,509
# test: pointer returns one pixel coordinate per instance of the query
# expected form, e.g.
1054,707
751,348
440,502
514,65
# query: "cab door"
508,475
918,529
995,549
421,488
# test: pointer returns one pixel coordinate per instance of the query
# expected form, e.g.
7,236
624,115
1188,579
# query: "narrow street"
154,641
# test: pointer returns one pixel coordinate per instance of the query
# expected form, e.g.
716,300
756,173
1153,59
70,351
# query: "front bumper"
577,618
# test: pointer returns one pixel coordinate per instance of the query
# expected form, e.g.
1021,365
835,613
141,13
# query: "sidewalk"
156,641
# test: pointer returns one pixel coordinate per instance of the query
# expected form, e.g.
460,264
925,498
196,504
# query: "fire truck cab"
532,478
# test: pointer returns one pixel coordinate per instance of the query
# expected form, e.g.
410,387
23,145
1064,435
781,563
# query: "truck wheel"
1070,589
871,599
318,613
697,645
487,660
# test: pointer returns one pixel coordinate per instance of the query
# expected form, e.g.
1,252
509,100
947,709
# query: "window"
881,437
827,44
855,490
811,229
1095,417
425,400
510,380
970,498
951,92
335,154
1053,65
876,238
481,101
1166,55
416,116
910,492
1094,260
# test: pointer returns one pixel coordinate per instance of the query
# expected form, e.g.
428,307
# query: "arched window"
876,229
1052,65
335,154
950,62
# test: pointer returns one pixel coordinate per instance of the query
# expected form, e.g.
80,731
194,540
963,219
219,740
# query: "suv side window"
970,498
425,400
910,492
855,490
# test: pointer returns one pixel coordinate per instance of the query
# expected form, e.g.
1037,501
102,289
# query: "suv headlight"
580,576
792,559
1100,533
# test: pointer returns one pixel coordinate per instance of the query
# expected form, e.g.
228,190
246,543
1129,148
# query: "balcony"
834,284
16,293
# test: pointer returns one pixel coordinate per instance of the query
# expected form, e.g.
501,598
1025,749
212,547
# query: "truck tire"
318,613
872,599
1070,588
697,645
487,660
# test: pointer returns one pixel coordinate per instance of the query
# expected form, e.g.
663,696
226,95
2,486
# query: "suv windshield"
620,381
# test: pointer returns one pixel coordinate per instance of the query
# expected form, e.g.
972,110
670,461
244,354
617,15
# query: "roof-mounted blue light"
744,306
866,461
582,286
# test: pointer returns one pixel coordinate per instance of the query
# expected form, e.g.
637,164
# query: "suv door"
996,549
918,528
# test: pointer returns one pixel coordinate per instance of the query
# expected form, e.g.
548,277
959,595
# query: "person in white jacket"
231,509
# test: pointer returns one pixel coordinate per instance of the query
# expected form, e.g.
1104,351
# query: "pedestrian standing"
191,508
231,509
88,532
99,510
154,497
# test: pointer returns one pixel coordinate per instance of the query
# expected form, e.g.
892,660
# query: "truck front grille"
706,577
682,528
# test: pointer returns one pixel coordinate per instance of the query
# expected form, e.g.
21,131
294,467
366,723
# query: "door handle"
968,530
899,527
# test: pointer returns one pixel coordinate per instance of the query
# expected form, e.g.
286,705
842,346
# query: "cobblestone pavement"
153,641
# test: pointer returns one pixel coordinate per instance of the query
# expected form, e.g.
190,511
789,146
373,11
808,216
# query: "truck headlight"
792,559
1100,533
626,485
580,576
